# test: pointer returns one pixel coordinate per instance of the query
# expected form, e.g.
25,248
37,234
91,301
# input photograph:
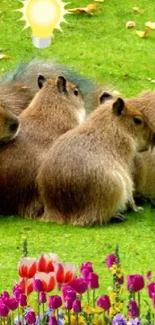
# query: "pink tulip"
46,262
151,289
65,272
79,285
68,292
37,285
4,310
104,302
110,260
23,300
47,279
87,265
68,303
135,282
30,317
42,297
27,267
52,320
55,302
77,306
93,280
12,304
133,309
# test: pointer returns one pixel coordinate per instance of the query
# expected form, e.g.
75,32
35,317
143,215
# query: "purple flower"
42,297
86,265
151,289
22,300
79,285
149,275
37,285
134,321
12,303
153,299
104,302
30,317
68,303
52,321
6,294
110,260
17,291
4,310
135,282
133,309
93,280
54,302
77,306
118,320
68,292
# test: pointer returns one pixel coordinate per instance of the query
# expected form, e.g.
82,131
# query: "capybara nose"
14,124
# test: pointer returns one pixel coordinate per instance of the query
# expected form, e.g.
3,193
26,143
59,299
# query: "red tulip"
46,262
26,285
27,267
47,279
65,272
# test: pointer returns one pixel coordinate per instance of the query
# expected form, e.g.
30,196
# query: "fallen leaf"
4,56
150,25
130,24
142,34
99,0
138,9
87,10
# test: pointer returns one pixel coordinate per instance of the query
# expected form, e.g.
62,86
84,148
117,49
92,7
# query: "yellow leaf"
138,9
87,10
142,34
4,56
130,24
150,25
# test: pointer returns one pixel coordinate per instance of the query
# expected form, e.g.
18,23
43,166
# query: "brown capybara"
56,108
9,125
86,177
18,88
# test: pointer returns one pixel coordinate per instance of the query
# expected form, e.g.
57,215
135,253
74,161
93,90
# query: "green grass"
102,48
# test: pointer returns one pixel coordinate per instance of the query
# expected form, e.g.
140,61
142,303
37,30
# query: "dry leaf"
4,56
150,25
142,33
138,9
130,24
87,10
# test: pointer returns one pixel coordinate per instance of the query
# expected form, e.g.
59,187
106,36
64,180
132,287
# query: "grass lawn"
100,47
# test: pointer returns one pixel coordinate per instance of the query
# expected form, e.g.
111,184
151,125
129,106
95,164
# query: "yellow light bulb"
43,16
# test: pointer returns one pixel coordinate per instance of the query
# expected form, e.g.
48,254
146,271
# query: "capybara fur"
18,88
86,177
55,109
9,125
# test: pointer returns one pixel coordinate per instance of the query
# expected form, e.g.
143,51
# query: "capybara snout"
9,125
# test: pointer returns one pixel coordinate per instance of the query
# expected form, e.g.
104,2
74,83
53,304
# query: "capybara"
55,109
86,177
18,88
9,125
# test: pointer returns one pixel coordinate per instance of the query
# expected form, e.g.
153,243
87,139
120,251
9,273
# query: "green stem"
22,316
93,298
12,318
43,309
18,316
88,296
38,310
69,318
57,314
139,302
76,319
0,320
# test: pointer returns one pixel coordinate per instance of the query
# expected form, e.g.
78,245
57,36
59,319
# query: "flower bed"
77,301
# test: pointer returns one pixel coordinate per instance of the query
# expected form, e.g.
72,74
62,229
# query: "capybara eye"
76,92
138,120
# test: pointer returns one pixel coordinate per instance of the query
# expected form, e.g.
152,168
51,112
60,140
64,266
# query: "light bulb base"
41,43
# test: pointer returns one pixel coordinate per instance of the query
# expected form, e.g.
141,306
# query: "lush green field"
101,47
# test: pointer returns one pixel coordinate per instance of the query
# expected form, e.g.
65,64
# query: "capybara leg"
118,218
134,207
52,217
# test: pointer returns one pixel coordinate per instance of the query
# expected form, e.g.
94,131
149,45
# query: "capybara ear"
118,106
41,81
104,97
61,84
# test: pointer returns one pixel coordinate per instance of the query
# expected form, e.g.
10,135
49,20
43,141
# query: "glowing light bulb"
43,16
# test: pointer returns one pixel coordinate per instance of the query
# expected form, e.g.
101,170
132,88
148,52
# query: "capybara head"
68,91
133,121
9,125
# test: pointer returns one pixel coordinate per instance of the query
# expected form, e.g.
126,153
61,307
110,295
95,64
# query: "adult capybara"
9,125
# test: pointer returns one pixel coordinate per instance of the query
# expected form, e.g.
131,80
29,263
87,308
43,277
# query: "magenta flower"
12,304
149,275
68,303
22,300
30,317
93,280
6,294
120,280
79,285
110,260
52,320
4,310
153,299
77,306
135,282
17,291
87,265
37,285
42,297
68,292
54,302
151,289
133,309
104,302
